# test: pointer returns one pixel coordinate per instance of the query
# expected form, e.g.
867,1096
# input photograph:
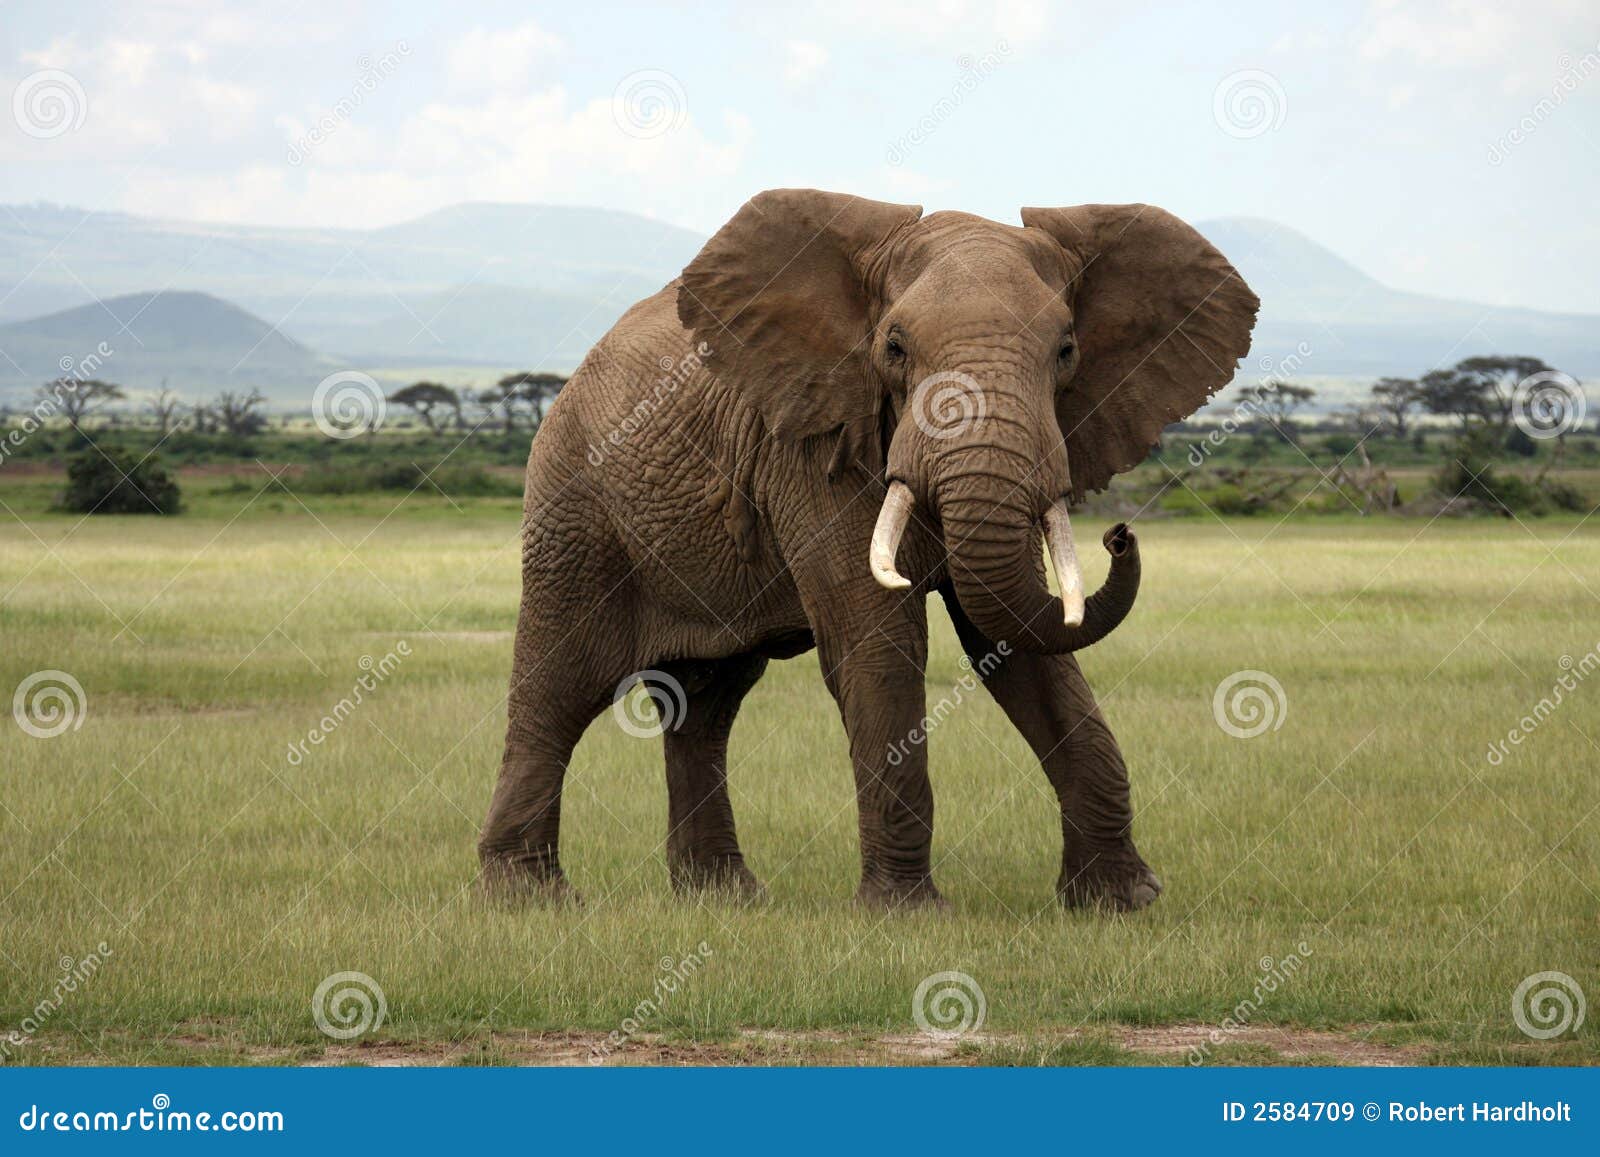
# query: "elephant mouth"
1056,526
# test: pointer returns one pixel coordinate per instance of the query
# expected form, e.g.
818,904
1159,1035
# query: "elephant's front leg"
1048,700
876,673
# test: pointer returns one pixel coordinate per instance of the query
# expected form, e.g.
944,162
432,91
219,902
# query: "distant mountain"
193,340
533,286
498,325
490,284
1352,324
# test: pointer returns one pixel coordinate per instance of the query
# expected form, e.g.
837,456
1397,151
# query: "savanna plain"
1365,833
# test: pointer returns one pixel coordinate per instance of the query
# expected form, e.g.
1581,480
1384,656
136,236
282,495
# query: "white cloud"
500,60
131,59
538,146
1454,33
804,59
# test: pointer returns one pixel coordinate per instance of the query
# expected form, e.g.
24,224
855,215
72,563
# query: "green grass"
228,883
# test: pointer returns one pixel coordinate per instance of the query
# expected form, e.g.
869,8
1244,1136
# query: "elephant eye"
1067,350
894,348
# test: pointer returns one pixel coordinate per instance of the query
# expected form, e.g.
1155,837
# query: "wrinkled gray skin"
701,519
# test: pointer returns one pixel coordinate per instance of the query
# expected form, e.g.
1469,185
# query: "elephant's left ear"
783,296
1161,321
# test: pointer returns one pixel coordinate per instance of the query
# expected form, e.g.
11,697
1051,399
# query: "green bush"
1469,472
456,481
110,482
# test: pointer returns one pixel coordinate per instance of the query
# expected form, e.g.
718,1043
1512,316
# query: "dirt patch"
1297,1044
783,1047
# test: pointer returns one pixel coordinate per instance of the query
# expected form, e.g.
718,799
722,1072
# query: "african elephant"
840,406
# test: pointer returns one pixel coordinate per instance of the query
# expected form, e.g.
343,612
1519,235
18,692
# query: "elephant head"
992,374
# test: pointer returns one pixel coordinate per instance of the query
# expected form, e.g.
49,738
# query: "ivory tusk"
1064,558
892,519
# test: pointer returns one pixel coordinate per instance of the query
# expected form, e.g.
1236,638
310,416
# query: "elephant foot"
901,895
511,883
723,877
1113,883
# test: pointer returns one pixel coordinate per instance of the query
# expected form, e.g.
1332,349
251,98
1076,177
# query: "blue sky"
1448,148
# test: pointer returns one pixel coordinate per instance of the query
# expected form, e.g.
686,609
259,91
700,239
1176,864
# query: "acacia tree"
238,414
1277,402
425,398
78,399
1396,399
534,390
164,409
1478,391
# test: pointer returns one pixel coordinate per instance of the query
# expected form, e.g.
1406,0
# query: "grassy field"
1367,836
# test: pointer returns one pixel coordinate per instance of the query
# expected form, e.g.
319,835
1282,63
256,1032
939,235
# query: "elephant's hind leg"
702,847
555,694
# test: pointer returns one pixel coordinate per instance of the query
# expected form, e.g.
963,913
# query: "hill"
1353,324
193,340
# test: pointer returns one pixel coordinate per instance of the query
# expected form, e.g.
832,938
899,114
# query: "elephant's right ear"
781,298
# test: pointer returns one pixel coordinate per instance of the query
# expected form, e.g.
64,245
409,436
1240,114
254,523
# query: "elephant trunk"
994,563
